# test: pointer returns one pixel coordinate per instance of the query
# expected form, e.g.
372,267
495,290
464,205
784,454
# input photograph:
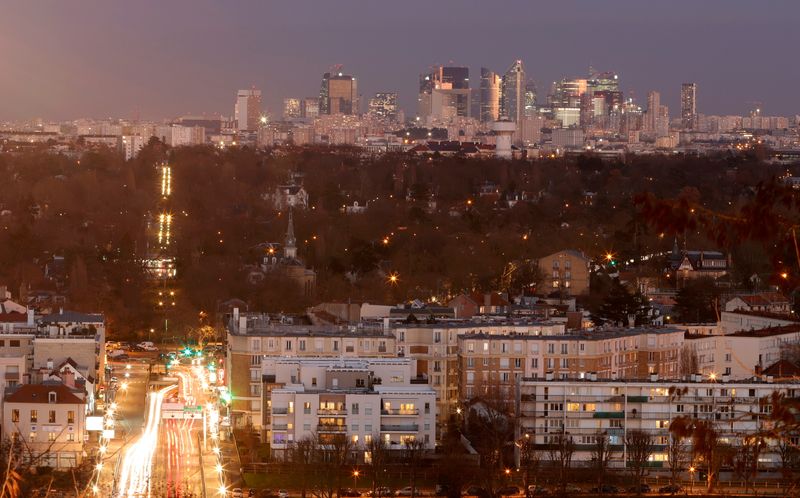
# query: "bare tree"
601,455
688,362
413,452
378,453
678,456
789,456
332,454
490,428
640,446
706,446
454,464
302,454
560,450
529,460
745,461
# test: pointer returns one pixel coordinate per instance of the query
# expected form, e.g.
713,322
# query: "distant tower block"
504,129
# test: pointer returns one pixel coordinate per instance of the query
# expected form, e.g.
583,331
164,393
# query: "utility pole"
202,471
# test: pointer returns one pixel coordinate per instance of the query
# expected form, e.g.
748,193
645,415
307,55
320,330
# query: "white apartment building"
743,354
358,399
584,408
51,419
736,321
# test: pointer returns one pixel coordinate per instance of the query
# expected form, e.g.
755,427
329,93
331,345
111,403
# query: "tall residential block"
247,109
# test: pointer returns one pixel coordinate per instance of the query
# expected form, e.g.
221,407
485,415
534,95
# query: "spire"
675,250
290,244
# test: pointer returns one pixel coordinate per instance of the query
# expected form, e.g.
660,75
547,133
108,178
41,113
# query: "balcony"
400,428
609,415
331,411
279,411
280,427
327,428
400,412
12,375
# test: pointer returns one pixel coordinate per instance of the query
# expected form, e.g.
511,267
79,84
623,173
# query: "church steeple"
290,244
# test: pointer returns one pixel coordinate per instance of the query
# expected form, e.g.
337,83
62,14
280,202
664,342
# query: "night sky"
159,59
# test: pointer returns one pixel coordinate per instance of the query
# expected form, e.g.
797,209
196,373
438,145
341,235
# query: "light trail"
137,464
166,181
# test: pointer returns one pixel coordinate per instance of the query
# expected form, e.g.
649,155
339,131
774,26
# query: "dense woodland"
96,210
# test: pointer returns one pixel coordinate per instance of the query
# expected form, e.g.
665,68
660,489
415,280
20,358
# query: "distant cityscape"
502,114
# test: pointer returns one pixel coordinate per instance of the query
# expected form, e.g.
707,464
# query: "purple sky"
156,58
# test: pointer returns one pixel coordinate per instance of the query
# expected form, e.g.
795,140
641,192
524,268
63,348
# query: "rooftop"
768,332
39,393
588,335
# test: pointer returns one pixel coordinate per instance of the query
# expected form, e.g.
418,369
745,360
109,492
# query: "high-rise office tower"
512,89
247,109
490,95
530,98
291,109
689,105
384,106
653,109
444,93
310,107
338,94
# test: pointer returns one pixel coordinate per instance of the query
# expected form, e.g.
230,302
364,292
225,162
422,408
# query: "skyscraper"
530,98
247,109
384,106
689,105
338,94
651,118
512,89
490,95
291,108
310,107
444,93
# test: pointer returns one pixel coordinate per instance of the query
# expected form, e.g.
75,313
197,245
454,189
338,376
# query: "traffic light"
225,398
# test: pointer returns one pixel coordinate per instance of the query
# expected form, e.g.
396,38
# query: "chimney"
242,329
30,317
50,364
631,320
236,315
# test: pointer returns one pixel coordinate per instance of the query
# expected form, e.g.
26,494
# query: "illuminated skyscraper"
310,107
530,98
490,95
247,109
384,106
512,90
444,93
689,105
291,109
338,94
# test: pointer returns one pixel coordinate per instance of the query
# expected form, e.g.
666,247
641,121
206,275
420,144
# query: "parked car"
350,492
572,489
379,492
236,493
147,346
282,493
407,491
605,489
538,490
670,488
644,488
508,491
476,491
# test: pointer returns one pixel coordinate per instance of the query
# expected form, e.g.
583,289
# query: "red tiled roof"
782,369
38,393
13,317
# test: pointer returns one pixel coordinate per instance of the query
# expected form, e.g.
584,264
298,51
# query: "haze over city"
65,60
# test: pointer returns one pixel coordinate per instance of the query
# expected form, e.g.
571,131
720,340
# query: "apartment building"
358,399
253,337
583,408
435,347
50,418
739,320
743,354
566,271
495,363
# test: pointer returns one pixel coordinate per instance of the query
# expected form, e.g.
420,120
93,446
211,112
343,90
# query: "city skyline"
132,73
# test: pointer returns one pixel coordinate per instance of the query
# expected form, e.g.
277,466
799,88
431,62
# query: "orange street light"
393,278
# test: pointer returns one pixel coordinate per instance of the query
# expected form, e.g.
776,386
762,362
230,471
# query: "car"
407,491
114,379
605,489
282,493
251,493
349,492
508,491
380,491
534,490
572,489
644,488
670,488
236,493
477,491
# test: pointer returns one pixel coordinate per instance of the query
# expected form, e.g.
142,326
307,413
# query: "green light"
225,397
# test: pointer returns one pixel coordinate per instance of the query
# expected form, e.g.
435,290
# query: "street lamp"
691,472
356,473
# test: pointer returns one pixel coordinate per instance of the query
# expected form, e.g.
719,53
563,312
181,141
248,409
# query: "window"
517,362
307,408
71,437
336,345
354,427
306,427
51,436
573,407
470,347
589,407
313,381
15,415
51,417
486,362
551,348
427,408
34,416
470,362
368,411
503,362
486,346
616,424
563,349
302,345
291,407
255,359
354,409
368,427
437,336
13,343
32,436
555,264
534,362
288,346
470,377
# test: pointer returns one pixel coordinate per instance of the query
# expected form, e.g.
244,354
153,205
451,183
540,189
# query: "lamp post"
356,473
691,473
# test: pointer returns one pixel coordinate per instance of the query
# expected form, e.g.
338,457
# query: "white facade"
359,399
737,321
584,408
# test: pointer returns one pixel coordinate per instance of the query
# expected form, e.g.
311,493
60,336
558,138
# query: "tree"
745,460
706,447
601,455
620,305
302,454
698,301
490,428
529,460
413,452
560,450
678,456
639,446
790,461
378,458
454,462
688,363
